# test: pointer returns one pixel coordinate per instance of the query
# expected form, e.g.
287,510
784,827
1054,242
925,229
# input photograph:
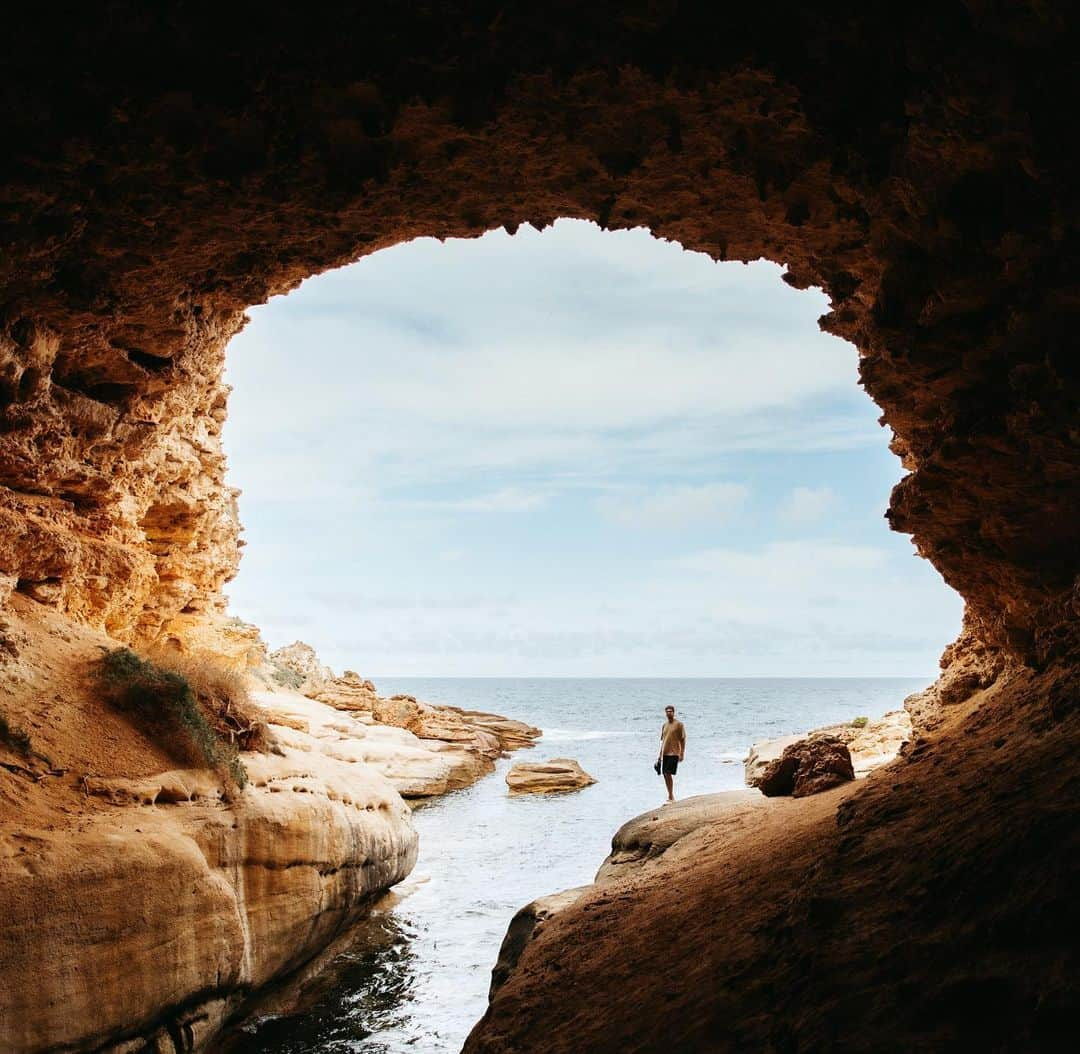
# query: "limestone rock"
300,659
418,768
162,902
542,777
809,766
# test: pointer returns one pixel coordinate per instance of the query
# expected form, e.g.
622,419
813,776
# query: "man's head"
670,711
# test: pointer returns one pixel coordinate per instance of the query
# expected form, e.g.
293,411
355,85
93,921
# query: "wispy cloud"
807,504
706,505
508,499
470,456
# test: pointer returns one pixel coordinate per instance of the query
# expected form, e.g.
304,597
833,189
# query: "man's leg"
670,786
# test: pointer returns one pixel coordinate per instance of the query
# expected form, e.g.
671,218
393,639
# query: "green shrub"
164,702
17,739
860,722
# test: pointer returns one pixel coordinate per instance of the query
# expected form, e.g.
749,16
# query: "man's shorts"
670,764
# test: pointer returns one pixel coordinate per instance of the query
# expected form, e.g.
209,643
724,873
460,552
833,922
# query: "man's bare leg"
670,786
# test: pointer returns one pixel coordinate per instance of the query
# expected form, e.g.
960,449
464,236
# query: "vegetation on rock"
192,706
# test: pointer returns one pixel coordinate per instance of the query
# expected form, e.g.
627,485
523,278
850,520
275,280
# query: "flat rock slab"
543,777
646,838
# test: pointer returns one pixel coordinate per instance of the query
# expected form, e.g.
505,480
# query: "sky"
569,452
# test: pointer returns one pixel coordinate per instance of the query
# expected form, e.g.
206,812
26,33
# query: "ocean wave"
570,735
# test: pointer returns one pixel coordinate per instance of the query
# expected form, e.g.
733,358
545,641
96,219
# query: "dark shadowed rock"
807,767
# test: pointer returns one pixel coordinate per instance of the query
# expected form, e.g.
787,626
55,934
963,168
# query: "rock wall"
142,905
166,168
147,204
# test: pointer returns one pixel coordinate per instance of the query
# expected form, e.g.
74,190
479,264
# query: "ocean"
418,980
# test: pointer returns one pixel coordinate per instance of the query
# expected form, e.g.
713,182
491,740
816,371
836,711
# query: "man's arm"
682,743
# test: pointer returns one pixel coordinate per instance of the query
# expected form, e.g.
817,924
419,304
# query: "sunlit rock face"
162,174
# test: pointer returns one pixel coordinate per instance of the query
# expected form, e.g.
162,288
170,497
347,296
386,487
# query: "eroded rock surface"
871,745
143,902
648,838
546,777
524,927
167,168
424,749
808,766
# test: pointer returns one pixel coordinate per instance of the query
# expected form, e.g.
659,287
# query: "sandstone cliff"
163,899
142,904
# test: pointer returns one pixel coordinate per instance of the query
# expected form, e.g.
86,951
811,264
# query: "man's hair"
671,708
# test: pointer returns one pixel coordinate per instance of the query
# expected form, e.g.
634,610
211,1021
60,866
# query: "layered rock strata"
144,904
424,749
164,900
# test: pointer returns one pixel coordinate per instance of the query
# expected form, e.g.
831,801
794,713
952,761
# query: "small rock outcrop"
543,777
871,745
809,766
435,748
297,666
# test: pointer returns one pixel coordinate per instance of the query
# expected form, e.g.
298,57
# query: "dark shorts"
670,764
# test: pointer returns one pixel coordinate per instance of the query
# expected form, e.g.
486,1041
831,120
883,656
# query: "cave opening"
567,475
569,452
178,168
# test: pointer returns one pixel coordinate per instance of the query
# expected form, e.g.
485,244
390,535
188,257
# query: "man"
672,749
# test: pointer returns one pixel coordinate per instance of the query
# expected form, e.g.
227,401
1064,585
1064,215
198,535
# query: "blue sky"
569,453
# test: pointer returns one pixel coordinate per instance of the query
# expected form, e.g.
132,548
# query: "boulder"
541,777
872,745
763,754
807,767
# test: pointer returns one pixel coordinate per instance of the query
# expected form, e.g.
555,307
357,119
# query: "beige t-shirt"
672,738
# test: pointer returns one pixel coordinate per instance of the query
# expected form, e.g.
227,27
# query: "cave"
167,169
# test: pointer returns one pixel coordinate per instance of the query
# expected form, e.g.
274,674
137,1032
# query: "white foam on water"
573,735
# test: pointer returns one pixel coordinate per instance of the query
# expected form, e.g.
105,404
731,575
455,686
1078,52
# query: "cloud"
442,447
675,507
508,499
552,351
807,504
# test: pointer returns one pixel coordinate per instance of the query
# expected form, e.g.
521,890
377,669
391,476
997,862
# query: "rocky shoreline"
655,844
163,900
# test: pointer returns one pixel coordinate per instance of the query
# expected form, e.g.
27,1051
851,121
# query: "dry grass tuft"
224,698
192,706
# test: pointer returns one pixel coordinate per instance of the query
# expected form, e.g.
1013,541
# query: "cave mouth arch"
639,420
116,329
175,167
